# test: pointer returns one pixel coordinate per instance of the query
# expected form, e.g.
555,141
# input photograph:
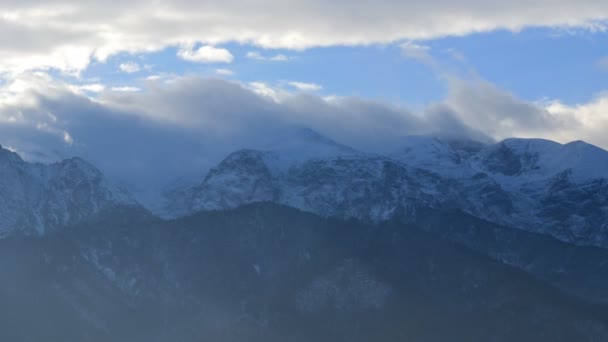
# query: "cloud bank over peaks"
188,124
181,128
498,113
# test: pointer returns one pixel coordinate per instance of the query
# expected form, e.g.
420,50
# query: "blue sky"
534,64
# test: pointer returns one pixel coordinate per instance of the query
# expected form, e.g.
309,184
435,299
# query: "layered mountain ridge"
265,272
36,199
530,184
439,239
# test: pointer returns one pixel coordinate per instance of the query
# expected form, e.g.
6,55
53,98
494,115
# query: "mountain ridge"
532,184
515,182
265,272
37,198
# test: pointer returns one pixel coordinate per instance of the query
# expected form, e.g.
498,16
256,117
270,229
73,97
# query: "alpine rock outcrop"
36,199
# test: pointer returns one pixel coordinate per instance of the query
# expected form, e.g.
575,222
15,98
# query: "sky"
152,90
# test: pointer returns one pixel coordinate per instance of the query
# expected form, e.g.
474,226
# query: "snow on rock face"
36,198
532,184
363,187
541,159
447,158
243,177
315,174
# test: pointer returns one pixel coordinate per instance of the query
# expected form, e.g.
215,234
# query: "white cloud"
67,34
93,88
591,120
224,72
499,113
67,138
258,56
206,54
255,55
417,52
129,67
303,86
126,89
265,90
279,58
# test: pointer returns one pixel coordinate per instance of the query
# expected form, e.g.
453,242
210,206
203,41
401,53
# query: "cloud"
224,72
148,137
416,51
68,34
67,138
303,86
591,120
499,113
126,89
263,89
206,54
129,67
279,58
92,88
183,127
256,55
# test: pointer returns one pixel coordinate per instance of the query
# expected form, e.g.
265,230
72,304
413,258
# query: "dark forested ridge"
270,273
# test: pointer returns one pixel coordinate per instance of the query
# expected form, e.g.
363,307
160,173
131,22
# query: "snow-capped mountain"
315,174
532,184
538,185
37,198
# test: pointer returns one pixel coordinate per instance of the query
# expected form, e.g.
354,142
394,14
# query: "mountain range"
437,239
265,272
37,199
530,184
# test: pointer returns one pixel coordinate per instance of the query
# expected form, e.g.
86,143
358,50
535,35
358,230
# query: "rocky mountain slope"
36,199
530,184
452,240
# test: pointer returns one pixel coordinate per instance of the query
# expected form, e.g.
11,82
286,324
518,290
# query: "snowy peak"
300,144
443,156
528,184
515,158
7,156
318,176
511,157
545,159
36,199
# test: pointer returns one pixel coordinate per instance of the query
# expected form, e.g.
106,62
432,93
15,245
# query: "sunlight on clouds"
67,35
303,86
224,72
206,54
416,51
126,89
592,119
129,67
67,138
265,90
93,88
258,56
